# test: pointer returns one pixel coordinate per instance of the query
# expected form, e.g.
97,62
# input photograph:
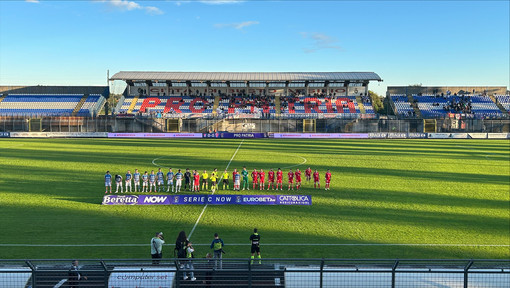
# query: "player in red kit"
328,180
279,179
255,178
298,179
270,181
308,174
316,181
196,178
262,177
291,179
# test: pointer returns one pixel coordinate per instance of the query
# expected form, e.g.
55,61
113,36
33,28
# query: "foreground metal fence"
305,273
203,125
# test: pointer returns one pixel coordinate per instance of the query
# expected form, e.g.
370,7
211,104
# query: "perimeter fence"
299,273
142,124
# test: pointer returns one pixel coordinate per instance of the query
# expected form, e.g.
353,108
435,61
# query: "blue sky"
405,42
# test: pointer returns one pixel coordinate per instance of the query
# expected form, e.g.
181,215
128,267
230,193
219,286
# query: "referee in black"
255,246
187,180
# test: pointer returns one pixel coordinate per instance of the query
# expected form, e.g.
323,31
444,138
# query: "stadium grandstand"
440,102
257,95
44,101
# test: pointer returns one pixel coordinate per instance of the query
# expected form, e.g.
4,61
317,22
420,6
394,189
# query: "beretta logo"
120,200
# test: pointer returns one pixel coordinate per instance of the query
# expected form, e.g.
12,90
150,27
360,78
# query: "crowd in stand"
261,103
251,100
459,104
463,105
294,98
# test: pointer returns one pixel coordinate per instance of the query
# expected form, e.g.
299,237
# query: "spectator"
157,247
217,246
181,244
75,277
189,263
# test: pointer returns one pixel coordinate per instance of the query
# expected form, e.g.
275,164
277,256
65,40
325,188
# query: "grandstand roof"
245,76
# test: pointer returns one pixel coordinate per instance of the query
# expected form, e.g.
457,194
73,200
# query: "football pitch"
388,199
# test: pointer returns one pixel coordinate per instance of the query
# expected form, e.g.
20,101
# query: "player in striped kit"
145,178
178,181
170,180
161,180
128,181
237,181
136,179
118,183
152,181
108,182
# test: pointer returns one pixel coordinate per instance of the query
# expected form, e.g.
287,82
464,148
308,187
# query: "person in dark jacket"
180,245
75,277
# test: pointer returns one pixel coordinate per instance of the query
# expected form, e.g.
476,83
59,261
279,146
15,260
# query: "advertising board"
127,277
227,135
154,135
207,199
321,135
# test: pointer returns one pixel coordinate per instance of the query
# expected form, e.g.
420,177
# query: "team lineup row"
192,180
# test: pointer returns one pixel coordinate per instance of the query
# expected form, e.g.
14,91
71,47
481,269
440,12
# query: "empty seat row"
48,105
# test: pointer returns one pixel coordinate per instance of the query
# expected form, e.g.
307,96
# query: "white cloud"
32,1
125,5
320,41
238,26
153,10
220,2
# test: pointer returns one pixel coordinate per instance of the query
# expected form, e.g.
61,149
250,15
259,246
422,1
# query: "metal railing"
207,272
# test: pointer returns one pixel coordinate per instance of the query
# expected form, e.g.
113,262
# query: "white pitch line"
155,164
205,207
302,163
268,244
482,153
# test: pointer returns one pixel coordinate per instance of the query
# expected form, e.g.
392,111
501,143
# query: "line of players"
192,180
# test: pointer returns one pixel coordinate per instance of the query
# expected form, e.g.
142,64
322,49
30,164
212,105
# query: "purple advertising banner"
417,135
227,135
207,199
154,135
321,135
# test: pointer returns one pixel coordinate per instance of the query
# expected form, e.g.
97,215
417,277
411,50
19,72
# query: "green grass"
383,191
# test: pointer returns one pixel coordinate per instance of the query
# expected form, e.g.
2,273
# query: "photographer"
157,247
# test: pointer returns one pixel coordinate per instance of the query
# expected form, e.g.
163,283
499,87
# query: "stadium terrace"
222,93
248,102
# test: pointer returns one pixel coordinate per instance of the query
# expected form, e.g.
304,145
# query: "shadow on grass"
57,225
413,198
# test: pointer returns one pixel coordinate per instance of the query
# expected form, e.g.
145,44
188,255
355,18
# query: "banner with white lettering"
207,199
124,277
